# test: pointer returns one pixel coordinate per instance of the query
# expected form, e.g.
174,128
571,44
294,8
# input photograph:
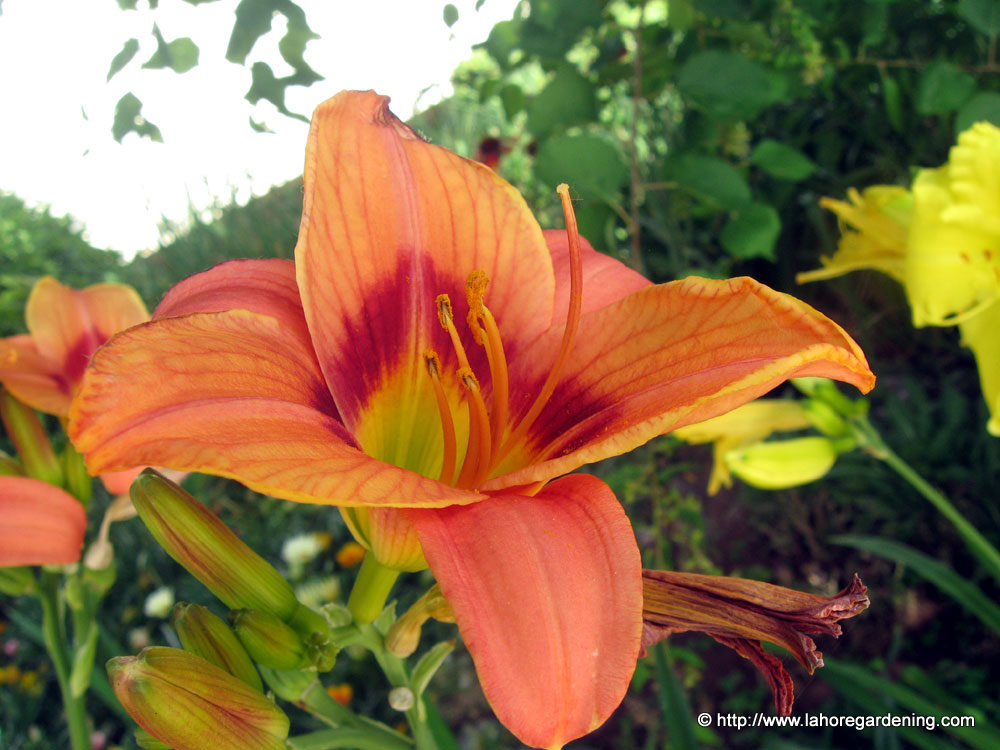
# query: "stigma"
492,433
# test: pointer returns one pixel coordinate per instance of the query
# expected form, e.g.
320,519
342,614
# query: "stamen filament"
569,332
477,456
498,374
433,363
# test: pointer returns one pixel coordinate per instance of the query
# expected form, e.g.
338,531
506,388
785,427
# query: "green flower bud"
10,467
268,640
289,685
30,440
208,636
190,704
78,481
198,540
779,464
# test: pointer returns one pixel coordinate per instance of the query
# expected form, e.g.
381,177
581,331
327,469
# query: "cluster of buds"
211,693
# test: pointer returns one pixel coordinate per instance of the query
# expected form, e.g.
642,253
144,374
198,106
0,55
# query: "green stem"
395,669
371,589
329,739
869,438
54,636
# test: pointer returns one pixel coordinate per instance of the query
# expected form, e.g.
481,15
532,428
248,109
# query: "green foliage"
129,119
33,244
180,55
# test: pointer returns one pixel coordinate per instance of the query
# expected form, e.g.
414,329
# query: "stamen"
477,456
485,331
447,318
569,332
433,363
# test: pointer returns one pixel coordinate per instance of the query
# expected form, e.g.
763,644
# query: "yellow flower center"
491,436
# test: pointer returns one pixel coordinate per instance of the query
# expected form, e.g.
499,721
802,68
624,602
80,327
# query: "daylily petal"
668,356
605,280
112,308
118,482
231,394
264,286
547,594
39,524
979,333
390,222
59,323
32,378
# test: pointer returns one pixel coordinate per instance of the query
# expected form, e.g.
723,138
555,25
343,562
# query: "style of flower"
430,363
39,524
43,367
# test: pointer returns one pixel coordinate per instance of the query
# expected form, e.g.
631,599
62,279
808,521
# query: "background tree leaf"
983,106
710,179
781,161
129,119
450,15
124,57
983,15
942,89
752,232
264,85
569,98
592,166
180,55
728,84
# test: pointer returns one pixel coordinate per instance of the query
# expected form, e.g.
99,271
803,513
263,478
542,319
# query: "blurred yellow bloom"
980,333
775,465
874,225
745,425
350,555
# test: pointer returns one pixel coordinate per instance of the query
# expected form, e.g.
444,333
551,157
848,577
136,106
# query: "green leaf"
264,85
674,704
710,179
942,88
450,15
680,14
753,232
128,4
943,577
129,119
428,665
293,46
260,127
513,99
179,55
591,165
984,106
781,161
728,85
123,58
983,15
253,20
567,99
893,100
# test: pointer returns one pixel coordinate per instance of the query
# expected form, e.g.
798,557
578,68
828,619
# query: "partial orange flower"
430,363
39,524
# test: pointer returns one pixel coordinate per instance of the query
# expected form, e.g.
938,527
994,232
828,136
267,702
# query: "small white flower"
302,548
159,603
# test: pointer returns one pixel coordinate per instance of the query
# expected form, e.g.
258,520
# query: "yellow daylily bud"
208,549
952,265
779,464
268,640
27,434
744,425
980,333
208,636
189,703
388,535
874,225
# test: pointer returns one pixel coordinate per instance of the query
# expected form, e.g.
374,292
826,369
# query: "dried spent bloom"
741,613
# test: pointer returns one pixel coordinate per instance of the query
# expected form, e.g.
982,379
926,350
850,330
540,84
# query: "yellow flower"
979,333
952,269
777,464
874,223
743,426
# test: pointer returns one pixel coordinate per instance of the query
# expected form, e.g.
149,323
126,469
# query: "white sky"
55,56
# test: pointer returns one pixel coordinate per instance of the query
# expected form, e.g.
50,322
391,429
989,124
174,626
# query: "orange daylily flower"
419,365
43,367
39,524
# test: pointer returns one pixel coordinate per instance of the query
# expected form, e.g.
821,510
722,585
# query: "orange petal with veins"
547,593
